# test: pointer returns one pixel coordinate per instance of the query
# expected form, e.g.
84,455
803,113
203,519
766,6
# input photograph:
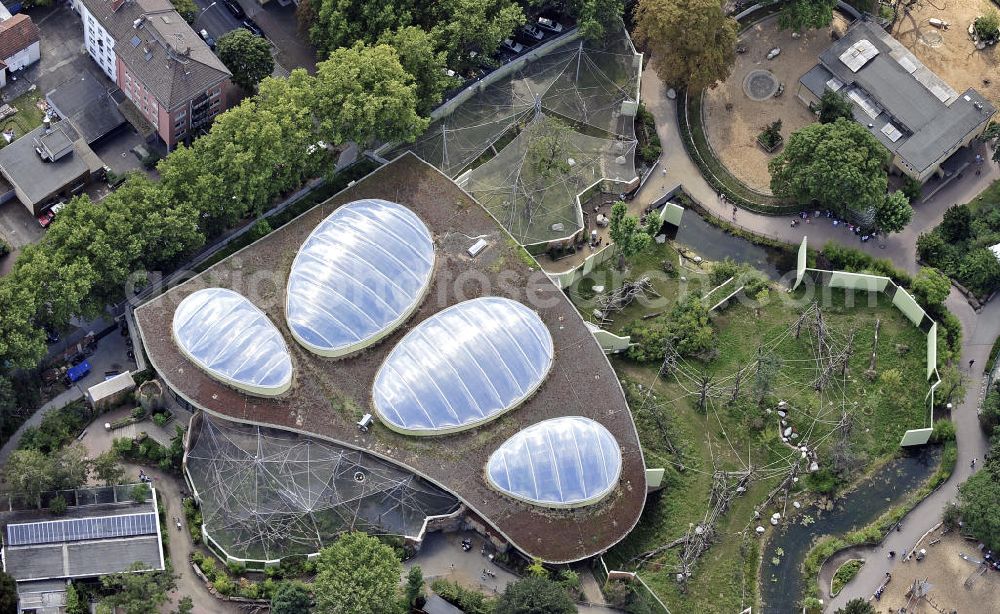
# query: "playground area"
953,583
738,109
949,52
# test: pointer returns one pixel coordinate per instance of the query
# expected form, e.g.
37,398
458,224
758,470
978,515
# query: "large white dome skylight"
360,273
569,461
226,335
462,367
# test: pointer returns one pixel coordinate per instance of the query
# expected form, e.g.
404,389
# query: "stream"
782,586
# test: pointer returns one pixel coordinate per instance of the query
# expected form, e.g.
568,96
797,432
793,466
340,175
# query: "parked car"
532,32
512,46
549,24
253,28
45,218
205,36
235,8
59,206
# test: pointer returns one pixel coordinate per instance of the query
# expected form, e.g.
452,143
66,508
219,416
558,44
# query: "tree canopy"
978,498
419,55
931,286
893,213
30,472
801,15
857,606
535,595
357,574
291,598
834,105
8,594
840,166
693,42
627,235
247,56
137,593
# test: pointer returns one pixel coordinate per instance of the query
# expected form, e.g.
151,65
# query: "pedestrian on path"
972,362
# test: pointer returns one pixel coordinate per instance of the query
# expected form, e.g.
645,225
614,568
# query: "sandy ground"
947,573
950,53
733,130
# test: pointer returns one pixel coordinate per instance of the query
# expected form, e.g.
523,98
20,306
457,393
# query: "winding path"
978,330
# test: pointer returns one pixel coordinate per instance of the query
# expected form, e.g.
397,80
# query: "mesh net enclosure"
267,494
590,86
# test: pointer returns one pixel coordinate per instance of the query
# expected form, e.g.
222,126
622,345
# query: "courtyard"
948,51
733,119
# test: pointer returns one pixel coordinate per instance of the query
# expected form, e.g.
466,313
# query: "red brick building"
159,62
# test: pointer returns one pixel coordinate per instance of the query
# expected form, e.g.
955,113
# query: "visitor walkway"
978,330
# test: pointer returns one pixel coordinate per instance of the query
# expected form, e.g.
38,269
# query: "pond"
782,586
712,243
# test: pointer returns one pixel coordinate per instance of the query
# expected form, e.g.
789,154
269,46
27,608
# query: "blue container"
75,374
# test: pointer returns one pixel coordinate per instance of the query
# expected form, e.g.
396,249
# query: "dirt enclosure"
949,52
947,572
733,120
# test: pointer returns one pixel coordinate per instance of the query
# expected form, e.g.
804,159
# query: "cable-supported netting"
591,86
266,493
531,185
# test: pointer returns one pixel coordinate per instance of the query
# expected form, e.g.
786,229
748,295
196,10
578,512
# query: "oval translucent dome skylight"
359,274
563,462
226,335
462,367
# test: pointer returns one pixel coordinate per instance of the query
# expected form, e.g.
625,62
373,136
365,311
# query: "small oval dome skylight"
358,275
462,367
226,335
570,461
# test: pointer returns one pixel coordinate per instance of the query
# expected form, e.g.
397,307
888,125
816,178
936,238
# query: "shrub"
845,574
161,420
58,505
260,229
138,413
472,602
223,584
139,493
236,568
944,430
987,26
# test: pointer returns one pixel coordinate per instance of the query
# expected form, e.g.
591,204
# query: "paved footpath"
979,330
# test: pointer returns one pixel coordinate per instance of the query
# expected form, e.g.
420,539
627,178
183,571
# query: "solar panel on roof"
79,529
135,41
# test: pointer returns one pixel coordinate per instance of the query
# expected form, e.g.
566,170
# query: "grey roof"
171,60
37,179
930,117
437,605
88,105
40,586
81,559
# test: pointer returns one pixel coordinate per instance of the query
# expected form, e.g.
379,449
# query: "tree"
629,238
547,154
693,41
834,105
75,604
414,586
931,286
688,326
893,213
980,271
474,25
342,23
28,474
357,574
534,595
290,598
107,469
69,467
8,594
978,497
957,224
857,606
840,166
420,57
186,606
22,342
247,56
136,593
363,93
594,18
187,8
801,15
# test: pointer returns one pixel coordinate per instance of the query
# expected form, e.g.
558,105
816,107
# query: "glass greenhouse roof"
360,273
569,461
462,367
226,335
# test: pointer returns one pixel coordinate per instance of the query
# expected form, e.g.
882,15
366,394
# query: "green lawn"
725,578
28,116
